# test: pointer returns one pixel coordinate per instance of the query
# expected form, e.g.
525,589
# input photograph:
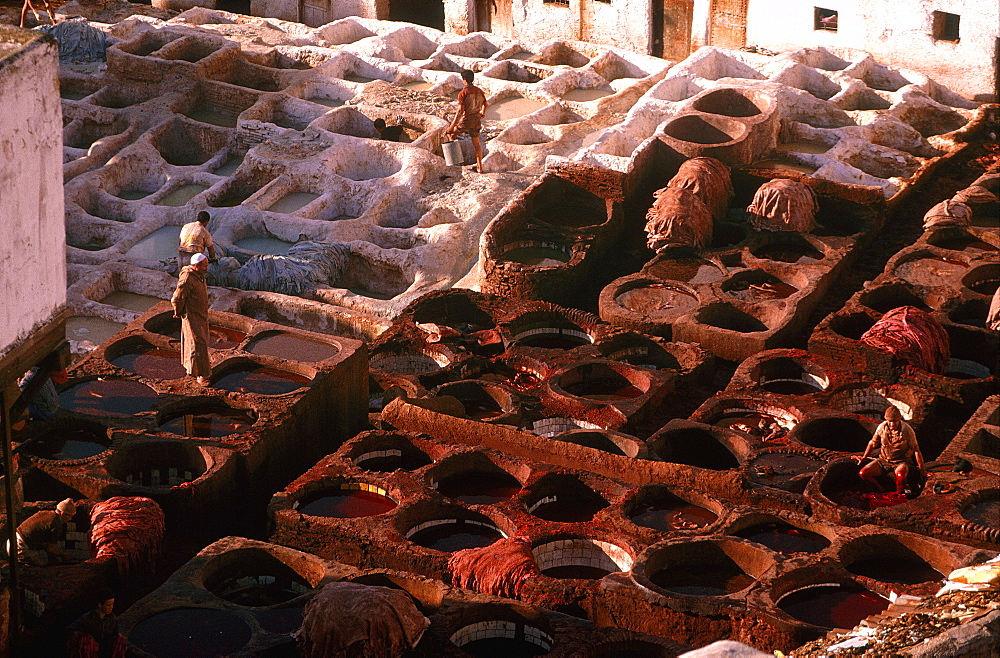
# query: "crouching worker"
95,634
896,444
38,535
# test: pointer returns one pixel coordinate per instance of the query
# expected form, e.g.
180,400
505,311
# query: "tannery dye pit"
702,347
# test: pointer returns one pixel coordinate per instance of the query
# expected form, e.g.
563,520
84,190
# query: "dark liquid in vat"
604,389
152,362
580,571
192,633
72,444
833,606
261,380
114,397
479,488
703,580
678,516
450,537
502,647
569,510
349,504
784,538
209,424
896,570
294,348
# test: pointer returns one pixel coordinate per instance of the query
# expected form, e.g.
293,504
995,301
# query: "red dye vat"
261,380
673,516
868,500
580,571
192,633
703,580
785,538
455,536
152,362
209,424
832,605
108,397
349,504
294,348
480,487
523,380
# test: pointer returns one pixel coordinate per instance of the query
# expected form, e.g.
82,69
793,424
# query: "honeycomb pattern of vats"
529,364
264,623
197,450
951,272
277,141
843,116
614,561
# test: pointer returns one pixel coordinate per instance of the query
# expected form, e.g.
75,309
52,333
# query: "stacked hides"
912,336
127,531
500,568
349,619
783,205
678,217
709,179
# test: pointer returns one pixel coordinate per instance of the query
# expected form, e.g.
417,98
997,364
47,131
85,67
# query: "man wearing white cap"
38,535
190,302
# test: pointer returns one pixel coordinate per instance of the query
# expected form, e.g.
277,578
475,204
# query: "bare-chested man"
896,444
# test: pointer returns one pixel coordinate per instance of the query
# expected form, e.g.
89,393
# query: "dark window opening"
825,19
607,2
429,13
945,26
561,3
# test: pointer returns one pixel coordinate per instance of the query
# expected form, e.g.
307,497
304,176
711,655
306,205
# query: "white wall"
33,241
896,32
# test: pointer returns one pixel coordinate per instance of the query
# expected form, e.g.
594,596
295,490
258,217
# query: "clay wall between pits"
201,452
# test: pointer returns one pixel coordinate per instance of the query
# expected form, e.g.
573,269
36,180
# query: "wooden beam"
33,349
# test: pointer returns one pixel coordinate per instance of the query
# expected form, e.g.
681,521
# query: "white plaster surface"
32,264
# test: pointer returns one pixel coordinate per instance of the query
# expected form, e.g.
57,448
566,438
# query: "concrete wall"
33,244
897,33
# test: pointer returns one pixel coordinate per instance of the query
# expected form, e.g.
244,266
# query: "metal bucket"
453,152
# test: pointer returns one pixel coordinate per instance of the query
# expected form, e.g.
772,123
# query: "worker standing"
190,302
195,239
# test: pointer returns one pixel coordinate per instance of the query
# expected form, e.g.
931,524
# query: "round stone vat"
253,577
982,508
924,268
780,536
954,238
157,463
866,401
788,470
495,631
758,418
485,484
455,310
983,279
831,605
636,649
524,373
786,247
896,559
281,621
851,325
286,345
971,312
535,253
656,507
70,440
705,129
245,376
547,329
427,594
601,381
384,453
191,632
206,418
346,500
727,316
657,300
139,357
408,360
702,567
790,376
564,500
690,270
614,443
482,400
585,210
455,532
641,352
728,102
841,485
757,286
693,446
885,298
108,397
219,338
585,558
840,433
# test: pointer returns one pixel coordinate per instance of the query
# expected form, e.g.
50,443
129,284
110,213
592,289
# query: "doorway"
429,13
672,28
728,23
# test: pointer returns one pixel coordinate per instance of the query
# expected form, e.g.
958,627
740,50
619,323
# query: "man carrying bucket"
469,118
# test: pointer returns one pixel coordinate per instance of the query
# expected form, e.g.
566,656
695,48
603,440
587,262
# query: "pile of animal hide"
128,531
306,265
350,619
677,218
783,205
500,568
913,337
709,179
948,213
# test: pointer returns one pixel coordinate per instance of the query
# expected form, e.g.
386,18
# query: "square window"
825,19
946,26
560,3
